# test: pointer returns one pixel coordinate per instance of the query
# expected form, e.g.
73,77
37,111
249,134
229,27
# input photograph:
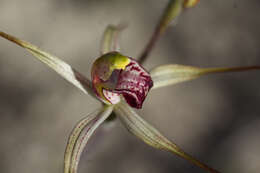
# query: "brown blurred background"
215,118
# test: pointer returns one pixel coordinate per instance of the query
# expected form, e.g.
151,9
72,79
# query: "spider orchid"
120,82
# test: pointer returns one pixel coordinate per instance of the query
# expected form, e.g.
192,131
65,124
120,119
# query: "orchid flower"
121,83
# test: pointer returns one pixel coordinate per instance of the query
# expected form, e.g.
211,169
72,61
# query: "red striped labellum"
115,75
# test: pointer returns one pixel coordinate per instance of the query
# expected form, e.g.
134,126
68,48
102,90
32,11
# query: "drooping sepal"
80,137
151,136
114,75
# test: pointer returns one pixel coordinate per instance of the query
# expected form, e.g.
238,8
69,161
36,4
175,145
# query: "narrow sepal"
80,136
144,131
61,67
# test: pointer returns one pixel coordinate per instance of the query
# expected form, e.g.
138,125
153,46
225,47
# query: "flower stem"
173,9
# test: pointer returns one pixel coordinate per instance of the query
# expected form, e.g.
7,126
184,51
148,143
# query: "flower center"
114,74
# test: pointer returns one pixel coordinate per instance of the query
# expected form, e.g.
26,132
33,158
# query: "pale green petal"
172,74
80,136
61,67
140,128
166,75
110,38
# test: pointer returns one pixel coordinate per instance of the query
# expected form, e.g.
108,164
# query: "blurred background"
215,118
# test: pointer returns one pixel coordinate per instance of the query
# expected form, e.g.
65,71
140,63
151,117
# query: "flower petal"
61,67
166,75
140,128
80,136
110,38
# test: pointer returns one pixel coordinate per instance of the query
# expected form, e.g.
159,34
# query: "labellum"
115,75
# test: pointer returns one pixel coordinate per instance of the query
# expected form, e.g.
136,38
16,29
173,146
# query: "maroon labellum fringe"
134,84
